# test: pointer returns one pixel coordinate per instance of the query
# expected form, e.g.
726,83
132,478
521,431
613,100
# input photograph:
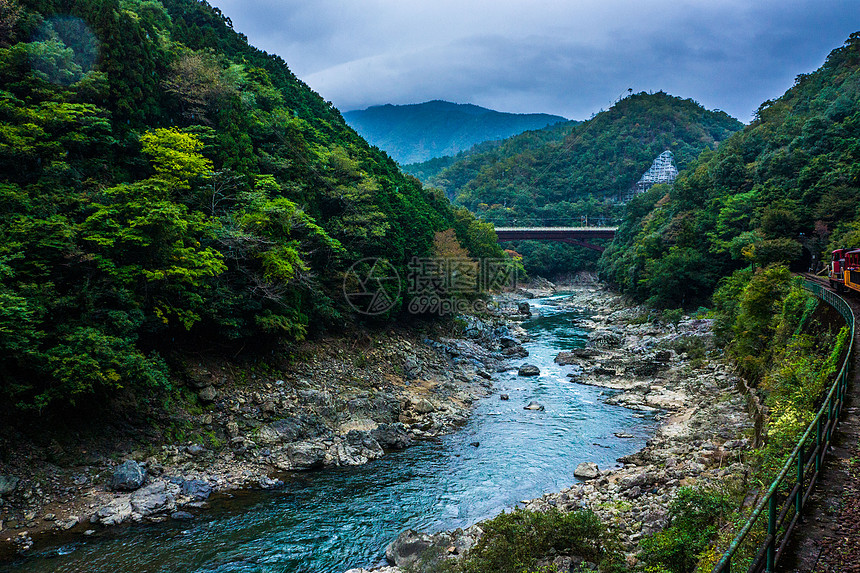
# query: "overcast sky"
570,58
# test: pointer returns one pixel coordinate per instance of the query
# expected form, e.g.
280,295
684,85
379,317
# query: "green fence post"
798,499
771,532
818,446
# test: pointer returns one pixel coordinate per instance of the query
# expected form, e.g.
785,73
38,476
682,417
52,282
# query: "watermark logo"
371,286
434,285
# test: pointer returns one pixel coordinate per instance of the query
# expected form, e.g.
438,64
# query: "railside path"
828,538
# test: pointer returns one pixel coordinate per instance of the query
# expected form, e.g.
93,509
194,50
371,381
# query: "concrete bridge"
572,235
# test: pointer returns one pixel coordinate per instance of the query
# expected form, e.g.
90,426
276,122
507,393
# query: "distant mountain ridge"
417,132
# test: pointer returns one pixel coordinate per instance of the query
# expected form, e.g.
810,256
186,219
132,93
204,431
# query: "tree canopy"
165,185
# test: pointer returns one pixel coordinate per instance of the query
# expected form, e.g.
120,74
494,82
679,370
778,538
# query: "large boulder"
392,436
528,370
8,484
566,358
383,407
208,394
423,406
128,476
196,489
586,470
155,498
300,427
516,351
408,549
357,448
605,339
117,511
306,455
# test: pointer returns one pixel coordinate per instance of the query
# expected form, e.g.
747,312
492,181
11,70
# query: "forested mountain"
556,176
470,161
418,132
165,186
784,189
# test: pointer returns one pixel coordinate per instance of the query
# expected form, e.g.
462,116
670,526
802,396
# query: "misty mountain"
418,132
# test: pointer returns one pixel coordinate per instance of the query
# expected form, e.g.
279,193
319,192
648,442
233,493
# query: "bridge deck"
572,235
586,229
554,233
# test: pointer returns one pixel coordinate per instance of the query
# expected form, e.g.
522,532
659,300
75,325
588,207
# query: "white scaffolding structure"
663,170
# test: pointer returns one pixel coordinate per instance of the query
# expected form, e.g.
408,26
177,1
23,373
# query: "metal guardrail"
804,464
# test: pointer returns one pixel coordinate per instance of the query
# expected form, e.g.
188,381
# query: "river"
328,521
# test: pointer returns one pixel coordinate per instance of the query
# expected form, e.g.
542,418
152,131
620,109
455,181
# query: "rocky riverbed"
337,402
672,370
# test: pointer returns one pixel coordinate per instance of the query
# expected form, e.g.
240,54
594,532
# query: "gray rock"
424,406
586,470
196,489
504,397
528,370
195,449
663,355
154,498
565,358
411,368
115,512
8,484
604,339
392,436
383,407
305,455
358,448
66,524
533,405
408,549
128,476
300,427
181,516
208,394
524,308
515,352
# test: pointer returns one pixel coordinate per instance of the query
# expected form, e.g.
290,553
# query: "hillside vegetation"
784,190
557,176
166,186
418,132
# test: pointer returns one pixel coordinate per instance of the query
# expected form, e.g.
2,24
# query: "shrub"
513,542
695,515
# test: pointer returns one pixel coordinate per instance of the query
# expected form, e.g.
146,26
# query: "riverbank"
668,370
338,401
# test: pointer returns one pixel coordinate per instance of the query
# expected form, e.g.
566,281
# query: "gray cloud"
569,58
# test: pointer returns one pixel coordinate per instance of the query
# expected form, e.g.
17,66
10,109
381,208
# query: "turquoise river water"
330,520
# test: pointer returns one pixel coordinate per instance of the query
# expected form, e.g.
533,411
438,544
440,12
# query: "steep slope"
785,189
418,132
599,158
166,186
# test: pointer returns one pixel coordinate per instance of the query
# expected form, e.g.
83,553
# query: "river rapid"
328,521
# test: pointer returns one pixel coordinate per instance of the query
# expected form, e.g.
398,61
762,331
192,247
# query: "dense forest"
165,186
558,175
418,132
784,190
470,161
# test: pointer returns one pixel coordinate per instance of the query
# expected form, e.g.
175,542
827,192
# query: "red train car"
845,270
